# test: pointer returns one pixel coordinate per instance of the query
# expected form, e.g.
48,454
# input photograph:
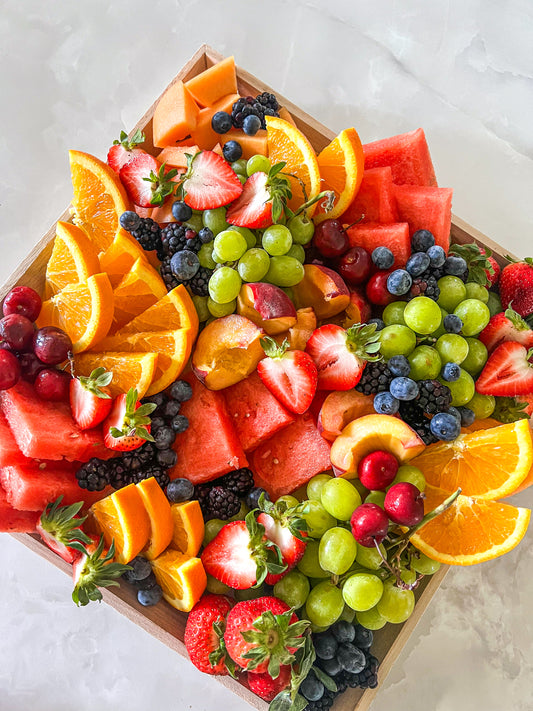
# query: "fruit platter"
259,389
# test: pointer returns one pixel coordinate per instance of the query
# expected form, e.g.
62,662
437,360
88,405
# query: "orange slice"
487,464
175,310
120,257
73,259
122,516
161,524
130,370
471,530
341,164
287,143
84,311
139,289
99,198
188,528
182,579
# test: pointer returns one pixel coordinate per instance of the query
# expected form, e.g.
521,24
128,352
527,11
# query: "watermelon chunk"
45,430
375,201
395,237
9,450
209,447
14,521
289,459
408,156
428,209
255,412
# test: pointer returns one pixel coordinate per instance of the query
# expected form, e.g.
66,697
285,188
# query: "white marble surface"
72,75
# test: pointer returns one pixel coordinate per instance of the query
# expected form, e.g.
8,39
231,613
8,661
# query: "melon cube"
394,236
374,201
408,156
14,521
175,115
9,450
426,209
212,84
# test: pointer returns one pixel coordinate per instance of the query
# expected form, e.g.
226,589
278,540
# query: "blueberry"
179,423
399,366
467,416
343,631
404,389
206,235
150,597
455,412
452,323
386,404
232,151
455,266
437,256
181,211
180,390
332,667
157,423
252,497
166,458
221,122
184,264
363,637
146,583
170,409
417,263
180,490
130,220
251,125
380,324
141,570
383,258
158,399
445,426
399,282
325,645
422,240
164,437
351,659
312,689
451,372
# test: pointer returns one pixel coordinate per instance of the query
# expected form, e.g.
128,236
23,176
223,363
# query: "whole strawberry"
204,634
493,275
516,286
268,688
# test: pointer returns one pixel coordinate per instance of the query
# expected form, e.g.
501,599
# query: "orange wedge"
182,579
188,528
487,464
84,311
471,531
120,257
99,198
130,370
287,143
161,524
122,516
175,310
139,289
73,259
341,164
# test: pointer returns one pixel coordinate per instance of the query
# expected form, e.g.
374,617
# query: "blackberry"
159,474
173,238
376,378
433,396
199,282
323,704
121,475
94,475
139,458
239,482
365,679
167,275
435,272
424,286
415,418
223,503
147,234
201,492
264,104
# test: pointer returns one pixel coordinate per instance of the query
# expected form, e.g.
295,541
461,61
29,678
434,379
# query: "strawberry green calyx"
364,341
98,379
478,263
135,419
288,516
518,322
279,189
289,699
220,652
61,526
509,409
267,555
273,349
93,571
162,184
130,143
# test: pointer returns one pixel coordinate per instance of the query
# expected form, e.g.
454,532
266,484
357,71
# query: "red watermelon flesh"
408,156
395,237
46,430
428,209
9,450
375,201
255,412
14,521
209,447
289,459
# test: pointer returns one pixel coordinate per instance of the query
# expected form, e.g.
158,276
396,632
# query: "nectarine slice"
340,408
267,306
323,289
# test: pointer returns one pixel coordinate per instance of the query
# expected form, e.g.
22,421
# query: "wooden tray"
162,621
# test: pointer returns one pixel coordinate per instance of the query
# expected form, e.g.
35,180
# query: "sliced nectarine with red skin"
267,306
303,329
322,289
358,310
339,409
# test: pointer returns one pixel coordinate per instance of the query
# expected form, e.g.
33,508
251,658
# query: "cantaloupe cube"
175,115
203,135
251,145
214,83
175,156
286,116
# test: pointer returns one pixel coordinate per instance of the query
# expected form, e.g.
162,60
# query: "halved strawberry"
128,424
147,182
291,376
287,529
209,182
60,528
508,371
340,356
95,569
267,688
204,634
90,399
124,150
263,199
506,326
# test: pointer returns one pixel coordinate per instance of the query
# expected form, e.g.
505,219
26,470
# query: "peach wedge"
267,306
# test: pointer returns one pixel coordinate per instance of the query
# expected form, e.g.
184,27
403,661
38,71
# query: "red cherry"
51,345
30,366
355,266
376,289
377,470
51,384
9,369
404,504
17,331
23,300
370,524
330,238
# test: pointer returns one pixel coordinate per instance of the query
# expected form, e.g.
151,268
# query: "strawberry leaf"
328,682
130,143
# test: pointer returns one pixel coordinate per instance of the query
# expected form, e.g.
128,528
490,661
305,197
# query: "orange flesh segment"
182,579
188,527
130,370
175,310
120,257
212,84
73,259
139,289
158,509
175,115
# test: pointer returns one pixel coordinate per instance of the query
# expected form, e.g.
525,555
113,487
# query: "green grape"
277,240
241,513
482,405
393,313
257,164
215,220
212,527
315,484
195,222
249,594
396,605
309,565
396,340
317,629
462,390
224,285
285,271
440,330
298,252
362,591
317,518
216,587
476,358
474,314
230,245
363,491
247,234
347,614
242,178
205,255
494,303
411,474
476,291
302,229
200,304
340,498
452,292
337,550
215,257
422,315
407,575
253,265
376,497
371,619
425,363
218,310
324,604
452,348
293,589
424,565
289,292
289,501
369,557
239,166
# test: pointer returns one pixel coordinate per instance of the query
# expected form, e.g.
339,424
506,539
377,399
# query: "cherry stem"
329,195
431,515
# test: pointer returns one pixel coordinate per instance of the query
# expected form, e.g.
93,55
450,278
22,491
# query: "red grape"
330,238
52,384
9,370
370,524
404,504
377,470
23,300
355,266
17,331
51,345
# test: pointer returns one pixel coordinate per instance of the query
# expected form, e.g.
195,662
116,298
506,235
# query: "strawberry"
340,355
240,555
124,150
267,688
516,286
511,409
204,634
262,635
90,399
479,261
287,529
60,528
147,182
506,326
209,182
494,275
128,425
291,376
95,569
262,201
507,372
